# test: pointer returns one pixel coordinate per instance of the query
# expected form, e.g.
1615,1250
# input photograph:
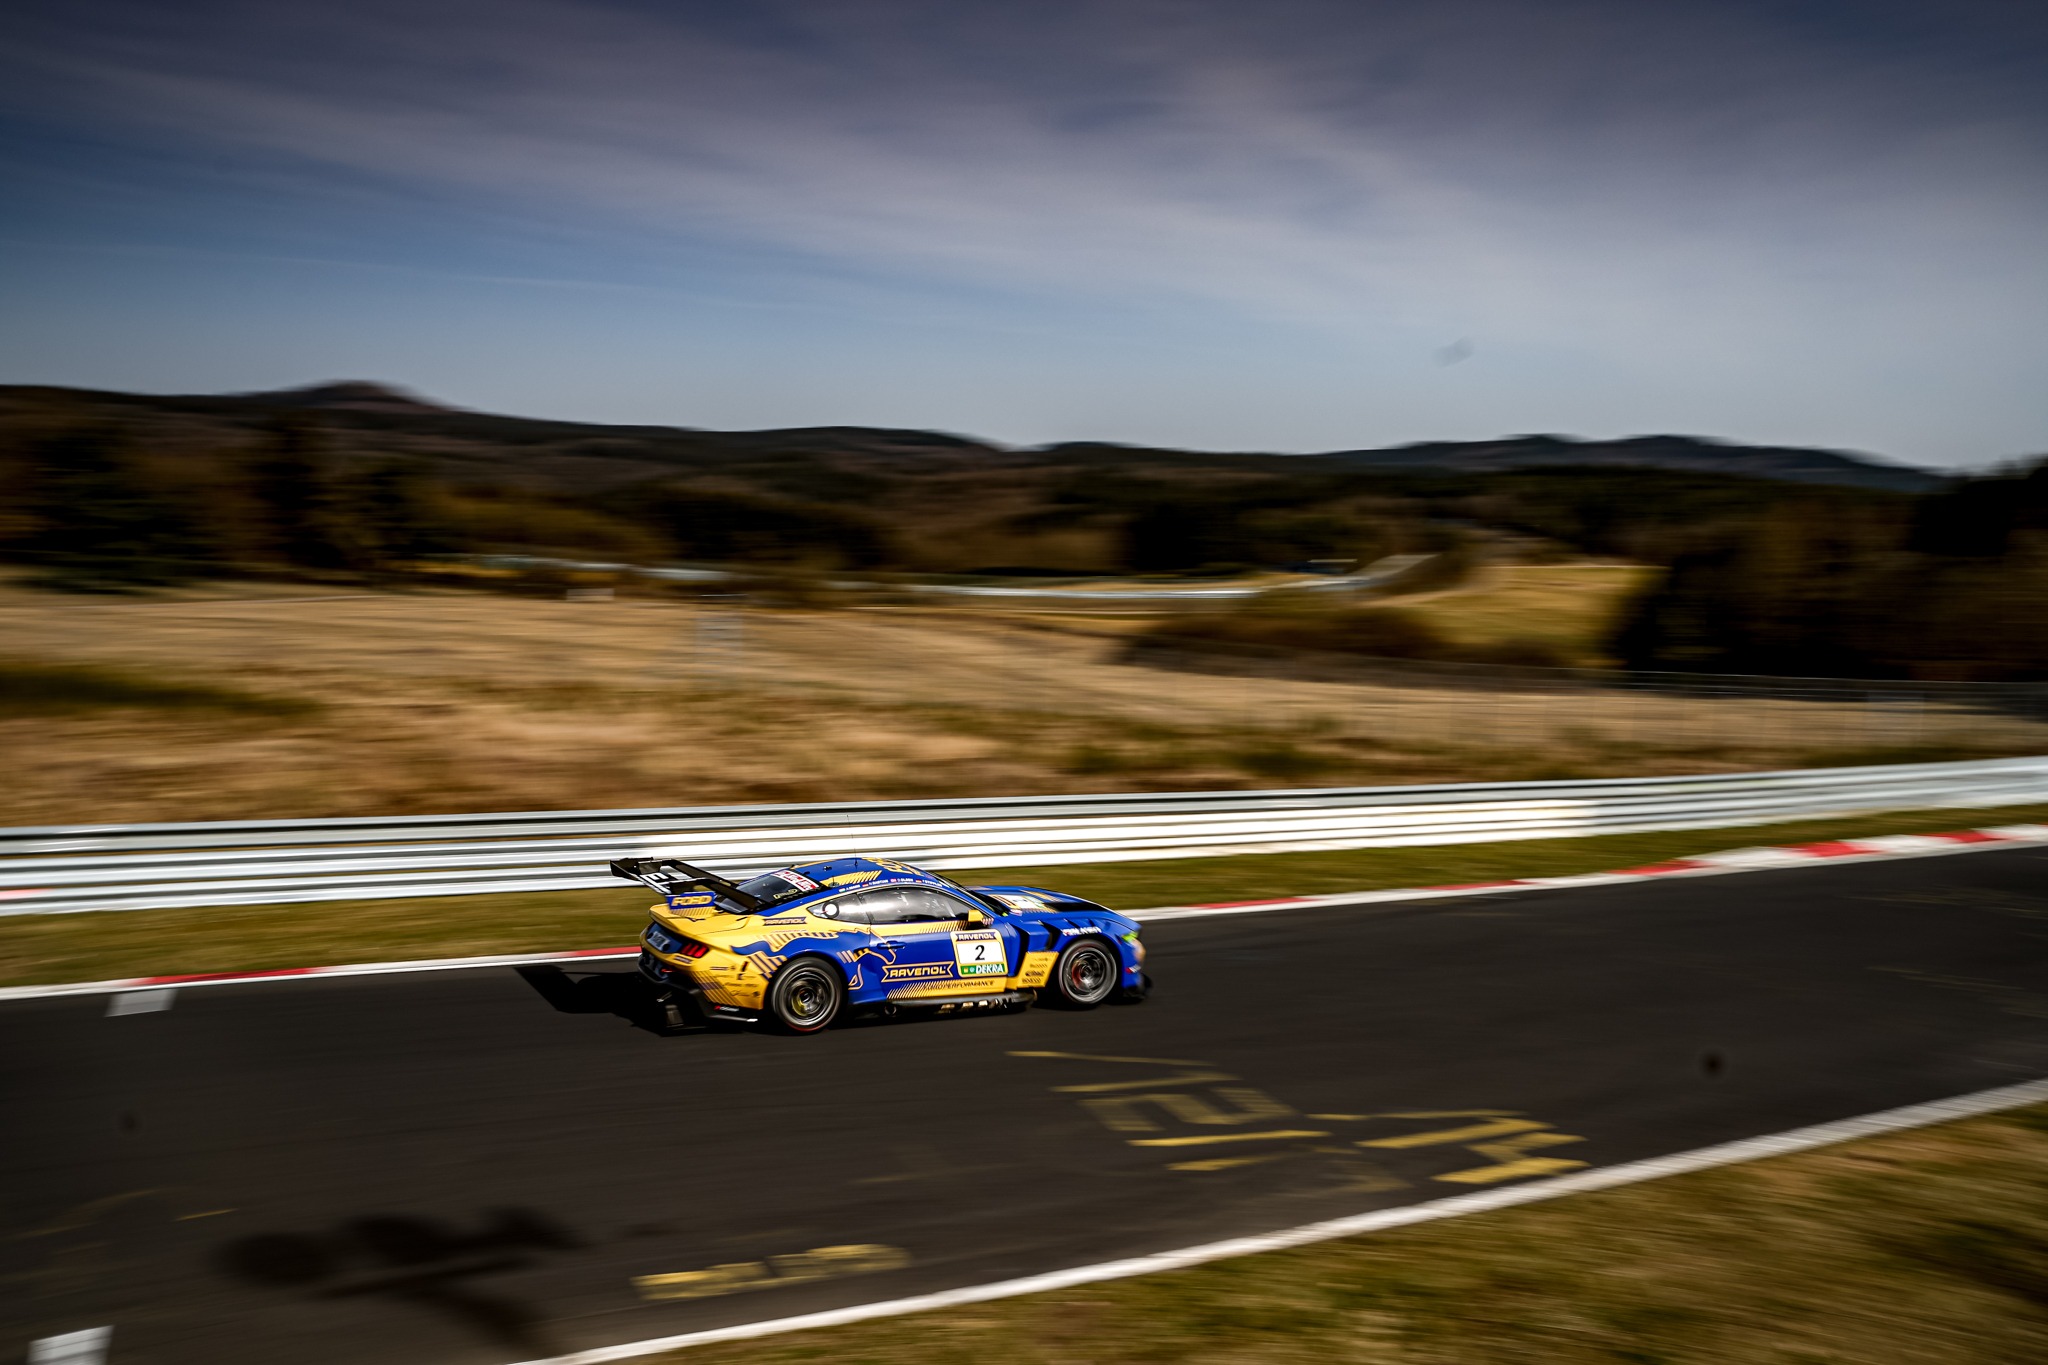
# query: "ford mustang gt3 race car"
805,944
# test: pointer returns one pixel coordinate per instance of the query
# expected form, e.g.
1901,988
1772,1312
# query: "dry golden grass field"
261,700
1568,606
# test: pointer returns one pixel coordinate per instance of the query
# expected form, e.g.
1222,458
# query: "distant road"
1378,574
476,1167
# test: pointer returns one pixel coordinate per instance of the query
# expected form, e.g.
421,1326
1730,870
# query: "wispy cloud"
1591,177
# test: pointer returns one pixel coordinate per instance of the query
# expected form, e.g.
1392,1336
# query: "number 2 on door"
979,952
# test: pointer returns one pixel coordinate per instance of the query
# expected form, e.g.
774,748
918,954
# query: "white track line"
1634,1172
153,1000
86,1347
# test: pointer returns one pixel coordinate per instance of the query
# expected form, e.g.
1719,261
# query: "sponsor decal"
941,990
789,919
691,901
851,878
797,880
979,952
930,971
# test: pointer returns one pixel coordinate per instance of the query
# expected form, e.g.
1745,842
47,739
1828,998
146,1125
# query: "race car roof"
834,875
840,873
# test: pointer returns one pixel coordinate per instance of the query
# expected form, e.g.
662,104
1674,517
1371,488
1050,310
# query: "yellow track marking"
1512,1170
84,1214
1210,1138
1420,1114
1090,1057
1120,1113
1224,1163
1470,1132
803,1267
1192,1078
1513,1161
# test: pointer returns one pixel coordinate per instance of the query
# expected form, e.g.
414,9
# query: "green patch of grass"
1569,607
111,944
1936,749
98,946
1281,760
44,689
1908,1249
1090,759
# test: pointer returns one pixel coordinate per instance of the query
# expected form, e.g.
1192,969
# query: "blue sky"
1291,226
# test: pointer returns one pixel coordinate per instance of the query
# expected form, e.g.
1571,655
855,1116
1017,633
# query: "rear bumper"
677,982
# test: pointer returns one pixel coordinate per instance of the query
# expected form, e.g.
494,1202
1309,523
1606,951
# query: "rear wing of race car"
673,877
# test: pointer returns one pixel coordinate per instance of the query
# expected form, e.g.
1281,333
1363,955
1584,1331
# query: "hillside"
348,476
1689,453
576,453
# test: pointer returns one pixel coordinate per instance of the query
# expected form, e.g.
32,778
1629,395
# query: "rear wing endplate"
673,876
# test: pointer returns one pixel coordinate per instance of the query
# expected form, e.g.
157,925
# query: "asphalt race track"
495,1165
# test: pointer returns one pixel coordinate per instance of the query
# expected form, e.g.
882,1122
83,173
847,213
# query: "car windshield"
774,887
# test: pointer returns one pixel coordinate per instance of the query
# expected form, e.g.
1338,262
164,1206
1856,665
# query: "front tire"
806,995
1085,973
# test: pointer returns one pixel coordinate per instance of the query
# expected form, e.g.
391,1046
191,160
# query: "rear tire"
1085,973
806,995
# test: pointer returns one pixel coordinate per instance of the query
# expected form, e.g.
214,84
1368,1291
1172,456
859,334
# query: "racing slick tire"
1085,973
805,995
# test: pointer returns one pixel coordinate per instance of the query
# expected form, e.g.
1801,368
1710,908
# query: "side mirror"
976,919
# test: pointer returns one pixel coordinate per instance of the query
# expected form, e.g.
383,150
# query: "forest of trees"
1952,586
91,510
1756,576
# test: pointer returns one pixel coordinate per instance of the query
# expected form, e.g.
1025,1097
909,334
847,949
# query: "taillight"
691,948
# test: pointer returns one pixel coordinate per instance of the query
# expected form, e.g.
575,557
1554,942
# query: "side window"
882,906
900,905
926,904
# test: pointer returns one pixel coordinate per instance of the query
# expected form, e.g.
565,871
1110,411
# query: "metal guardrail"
61,869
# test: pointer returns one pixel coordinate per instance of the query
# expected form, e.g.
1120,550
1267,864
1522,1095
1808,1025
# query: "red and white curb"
1705,865
1760,859
431,964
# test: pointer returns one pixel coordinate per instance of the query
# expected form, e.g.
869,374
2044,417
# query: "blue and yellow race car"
803,945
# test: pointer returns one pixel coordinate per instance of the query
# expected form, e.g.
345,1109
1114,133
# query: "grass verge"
90,947
1908,1249
42,689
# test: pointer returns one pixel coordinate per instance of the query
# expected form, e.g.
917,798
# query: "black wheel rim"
1088,973
808,996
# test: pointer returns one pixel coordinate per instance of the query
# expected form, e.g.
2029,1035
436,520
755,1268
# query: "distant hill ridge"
614,453
1793,464
348,395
